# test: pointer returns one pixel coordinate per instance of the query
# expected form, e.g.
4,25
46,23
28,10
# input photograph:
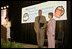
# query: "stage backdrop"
3,15
30,12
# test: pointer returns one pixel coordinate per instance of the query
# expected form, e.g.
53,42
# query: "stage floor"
31,46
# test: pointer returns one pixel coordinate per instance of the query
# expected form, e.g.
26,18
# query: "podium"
3,33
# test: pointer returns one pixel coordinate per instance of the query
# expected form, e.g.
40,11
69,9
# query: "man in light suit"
40,26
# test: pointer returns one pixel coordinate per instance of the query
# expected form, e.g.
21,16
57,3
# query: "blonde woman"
51,31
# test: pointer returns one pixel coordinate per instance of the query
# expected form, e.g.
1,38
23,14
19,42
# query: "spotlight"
4,7
1,7
7,6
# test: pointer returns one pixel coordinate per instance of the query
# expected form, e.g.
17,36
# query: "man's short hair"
39,10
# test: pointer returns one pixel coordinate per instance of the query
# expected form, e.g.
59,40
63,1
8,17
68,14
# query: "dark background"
25,32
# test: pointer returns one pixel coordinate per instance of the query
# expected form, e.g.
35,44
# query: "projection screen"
30,12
